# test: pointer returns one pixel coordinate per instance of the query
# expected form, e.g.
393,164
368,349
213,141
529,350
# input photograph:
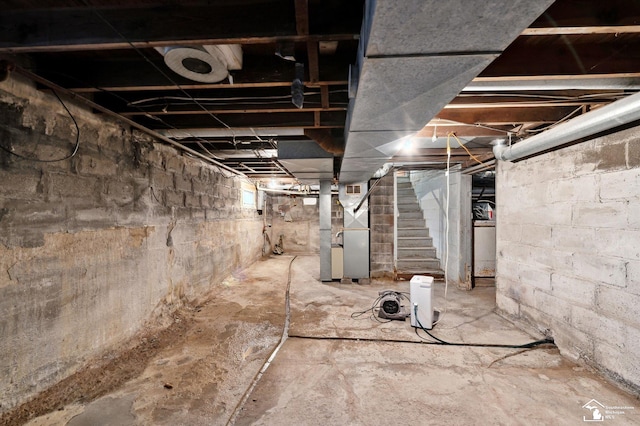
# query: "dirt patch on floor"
108,372
191,366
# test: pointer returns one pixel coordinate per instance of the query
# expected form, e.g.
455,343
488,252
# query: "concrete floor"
321,376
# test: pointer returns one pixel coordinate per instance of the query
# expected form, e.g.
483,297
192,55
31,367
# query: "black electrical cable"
439,341
75,148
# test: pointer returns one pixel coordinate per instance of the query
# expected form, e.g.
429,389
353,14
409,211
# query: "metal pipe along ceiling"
605,118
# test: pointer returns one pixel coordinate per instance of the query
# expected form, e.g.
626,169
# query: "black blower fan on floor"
391,306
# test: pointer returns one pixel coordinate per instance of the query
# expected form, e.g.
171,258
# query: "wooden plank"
133,73
313,61
118,45
461,130
505,115
316,119
612,29
562,58
302,16
199,111
324,96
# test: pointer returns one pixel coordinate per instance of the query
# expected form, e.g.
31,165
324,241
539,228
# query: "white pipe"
284,191
615,114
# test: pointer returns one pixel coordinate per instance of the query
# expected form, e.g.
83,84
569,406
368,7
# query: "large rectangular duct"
415,57
306,160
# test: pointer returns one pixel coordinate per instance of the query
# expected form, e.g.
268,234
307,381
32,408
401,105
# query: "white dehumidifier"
421,295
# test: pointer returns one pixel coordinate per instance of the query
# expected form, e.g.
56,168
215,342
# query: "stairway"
416,253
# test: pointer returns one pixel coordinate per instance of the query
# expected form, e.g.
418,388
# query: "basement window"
353,189
248,198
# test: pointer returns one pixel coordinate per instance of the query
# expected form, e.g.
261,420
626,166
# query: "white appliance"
421,295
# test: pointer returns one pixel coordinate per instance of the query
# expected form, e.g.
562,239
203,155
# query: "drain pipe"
615,114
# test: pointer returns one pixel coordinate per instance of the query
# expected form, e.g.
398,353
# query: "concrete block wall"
299,224
93,247
568,249
431,189
381,218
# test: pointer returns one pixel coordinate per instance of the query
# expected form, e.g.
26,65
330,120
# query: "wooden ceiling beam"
302,16
505,115
230,111
205,86
460,130
569,59
133,73
59,47
84,28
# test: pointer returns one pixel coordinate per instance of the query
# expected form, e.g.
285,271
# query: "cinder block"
576,238
621,185
611,214
620,304
507,305
599,326
611,358
612,156
508,231
174,198
535,317
542,257
93,165
21,185
119,192
508,269
633,154
623,243
191,200
182,183
518,252
609,270
583,188
556,308
573,344
633,276
161,179
535,277
536,235
64,186
574,290
91,218
632,356
200,187
191,169
633,219
174,163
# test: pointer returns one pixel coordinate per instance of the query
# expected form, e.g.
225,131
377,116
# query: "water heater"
421,295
